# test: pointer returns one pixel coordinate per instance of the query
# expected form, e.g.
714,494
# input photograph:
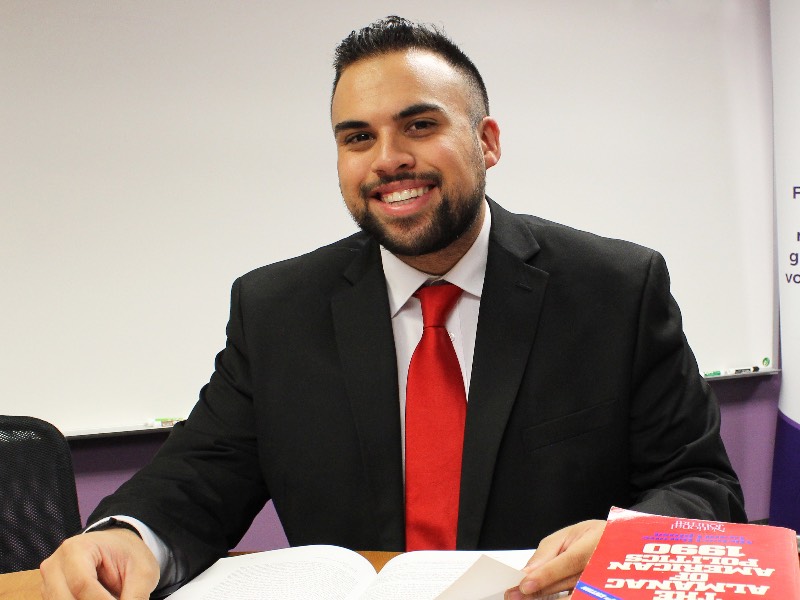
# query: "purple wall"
102,464
749,415
749,409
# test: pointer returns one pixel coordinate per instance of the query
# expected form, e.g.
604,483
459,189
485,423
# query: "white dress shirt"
462,323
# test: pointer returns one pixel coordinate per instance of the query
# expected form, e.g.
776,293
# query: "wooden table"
26,585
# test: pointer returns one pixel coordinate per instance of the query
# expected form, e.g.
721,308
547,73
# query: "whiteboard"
154,151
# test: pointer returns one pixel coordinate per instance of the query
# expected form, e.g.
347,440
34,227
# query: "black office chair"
38,499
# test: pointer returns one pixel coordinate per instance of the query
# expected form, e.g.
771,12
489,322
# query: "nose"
391,156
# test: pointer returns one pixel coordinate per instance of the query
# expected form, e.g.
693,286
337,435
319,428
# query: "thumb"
139,573
139,582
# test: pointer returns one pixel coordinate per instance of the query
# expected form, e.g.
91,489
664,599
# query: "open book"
333,573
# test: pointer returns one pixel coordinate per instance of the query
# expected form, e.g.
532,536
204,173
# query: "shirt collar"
468,273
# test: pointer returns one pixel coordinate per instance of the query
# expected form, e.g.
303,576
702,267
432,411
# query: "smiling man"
414,142
572,384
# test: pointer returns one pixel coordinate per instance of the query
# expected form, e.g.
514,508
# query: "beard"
455,214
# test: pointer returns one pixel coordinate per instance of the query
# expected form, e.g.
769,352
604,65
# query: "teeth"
402,195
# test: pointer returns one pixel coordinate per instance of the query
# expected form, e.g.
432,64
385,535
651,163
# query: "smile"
403,195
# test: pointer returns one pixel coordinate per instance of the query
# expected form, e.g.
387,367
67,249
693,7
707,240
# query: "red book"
649,557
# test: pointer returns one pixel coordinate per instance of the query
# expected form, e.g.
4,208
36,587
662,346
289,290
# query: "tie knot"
437,301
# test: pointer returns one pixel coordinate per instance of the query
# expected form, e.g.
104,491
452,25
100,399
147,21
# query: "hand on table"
101,565
559,561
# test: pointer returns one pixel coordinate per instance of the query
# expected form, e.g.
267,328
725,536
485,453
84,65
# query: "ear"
489,135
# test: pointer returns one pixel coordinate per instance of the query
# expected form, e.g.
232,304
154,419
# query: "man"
581,390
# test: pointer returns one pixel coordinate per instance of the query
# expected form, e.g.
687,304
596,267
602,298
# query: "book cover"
649,557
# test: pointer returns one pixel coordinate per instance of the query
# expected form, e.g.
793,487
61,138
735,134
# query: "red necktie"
436,409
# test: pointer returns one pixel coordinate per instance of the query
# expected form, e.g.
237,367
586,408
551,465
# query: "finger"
83,584
94,591
56,587
548,549
140,580
535,589
551,547
66,578
126,567
552,570
564,556
135,595
558,574
515,594
558,542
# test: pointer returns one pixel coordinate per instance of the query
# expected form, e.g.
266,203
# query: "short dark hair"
394,34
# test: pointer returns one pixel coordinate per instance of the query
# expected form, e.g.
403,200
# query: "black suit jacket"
584,395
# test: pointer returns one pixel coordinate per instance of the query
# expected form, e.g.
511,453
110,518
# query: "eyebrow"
347,125
410,111
418,109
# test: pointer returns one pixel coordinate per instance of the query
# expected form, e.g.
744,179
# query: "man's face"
411,159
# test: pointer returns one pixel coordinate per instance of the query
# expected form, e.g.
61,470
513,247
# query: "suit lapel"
366,349
510,305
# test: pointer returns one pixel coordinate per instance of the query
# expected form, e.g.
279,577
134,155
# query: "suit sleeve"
679,464
204,487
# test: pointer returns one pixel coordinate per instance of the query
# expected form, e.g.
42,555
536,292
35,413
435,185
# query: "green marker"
712,374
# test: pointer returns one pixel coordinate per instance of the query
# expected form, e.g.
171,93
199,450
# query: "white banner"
785,20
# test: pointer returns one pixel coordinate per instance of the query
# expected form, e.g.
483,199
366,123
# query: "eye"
421,126
356,138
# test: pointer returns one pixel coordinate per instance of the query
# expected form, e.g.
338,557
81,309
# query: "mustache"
366,189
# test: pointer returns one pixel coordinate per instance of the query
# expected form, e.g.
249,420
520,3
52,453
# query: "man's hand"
101,565
559,561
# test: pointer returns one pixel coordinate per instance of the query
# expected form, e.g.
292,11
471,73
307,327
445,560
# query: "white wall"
151,151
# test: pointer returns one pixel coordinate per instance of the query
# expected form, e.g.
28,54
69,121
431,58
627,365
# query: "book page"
301,573
486,579
423,575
